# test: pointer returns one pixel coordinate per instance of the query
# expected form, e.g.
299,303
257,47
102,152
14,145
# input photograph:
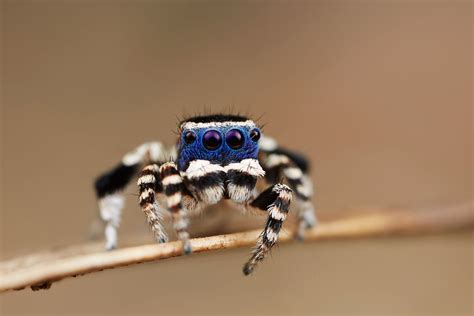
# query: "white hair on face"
194,125
250,166
199,168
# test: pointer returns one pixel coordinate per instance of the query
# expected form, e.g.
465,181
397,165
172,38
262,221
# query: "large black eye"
255,135
212,140
189,137
234,138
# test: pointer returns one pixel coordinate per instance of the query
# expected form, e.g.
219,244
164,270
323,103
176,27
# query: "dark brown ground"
379,95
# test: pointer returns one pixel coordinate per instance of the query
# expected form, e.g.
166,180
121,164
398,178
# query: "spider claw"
248,268
187,249
110,247
299,236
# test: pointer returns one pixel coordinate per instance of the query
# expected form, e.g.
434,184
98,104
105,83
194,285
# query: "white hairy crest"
194,125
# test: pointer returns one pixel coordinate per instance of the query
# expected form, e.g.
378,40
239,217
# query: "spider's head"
221,139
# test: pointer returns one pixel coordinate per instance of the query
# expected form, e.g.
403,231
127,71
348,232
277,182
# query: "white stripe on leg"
110,210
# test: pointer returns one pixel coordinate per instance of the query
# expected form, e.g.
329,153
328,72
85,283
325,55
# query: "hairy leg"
276,201
110,184
149,184
281,164
173,189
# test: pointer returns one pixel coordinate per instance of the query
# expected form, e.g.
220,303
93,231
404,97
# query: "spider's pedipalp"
205,181
242,178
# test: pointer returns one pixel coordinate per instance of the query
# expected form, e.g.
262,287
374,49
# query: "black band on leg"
114,180
264,199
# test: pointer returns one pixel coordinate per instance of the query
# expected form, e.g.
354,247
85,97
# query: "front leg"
173,188
242,177
149,184
276,201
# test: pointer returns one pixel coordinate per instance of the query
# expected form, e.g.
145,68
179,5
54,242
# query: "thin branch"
40,270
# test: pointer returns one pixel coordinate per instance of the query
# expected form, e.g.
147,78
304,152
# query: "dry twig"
40,270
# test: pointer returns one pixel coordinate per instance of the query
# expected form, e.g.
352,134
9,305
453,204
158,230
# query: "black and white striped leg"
276,201
109,186
149,184
173,188
303,188
280,165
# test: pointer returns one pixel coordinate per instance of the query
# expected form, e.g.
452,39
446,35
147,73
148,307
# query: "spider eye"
212,140
234,138
189,137
255,135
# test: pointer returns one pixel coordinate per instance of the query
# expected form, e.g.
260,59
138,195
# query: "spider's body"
218,157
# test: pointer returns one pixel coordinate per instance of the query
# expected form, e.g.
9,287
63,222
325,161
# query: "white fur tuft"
250,166
199,168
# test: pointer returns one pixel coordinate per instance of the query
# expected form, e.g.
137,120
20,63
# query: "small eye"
212,140
255,135
234,138
189,137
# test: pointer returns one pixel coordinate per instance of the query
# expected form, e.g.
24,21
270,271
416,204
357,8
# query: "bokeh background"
377,93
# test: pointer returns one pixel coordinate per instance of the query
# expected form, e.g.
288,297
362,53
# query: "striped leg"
149,184
280,164
173,188
303,187
109,186
276,201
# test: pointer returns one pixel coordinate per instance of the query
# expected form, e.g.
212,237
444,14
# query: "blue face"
220,143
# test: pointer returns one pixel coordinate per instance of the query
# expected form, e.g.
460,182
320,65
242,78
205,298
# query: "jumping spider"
217,157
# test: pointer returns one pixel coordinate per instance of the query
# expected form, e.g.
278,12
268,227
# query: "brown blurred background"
377,93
